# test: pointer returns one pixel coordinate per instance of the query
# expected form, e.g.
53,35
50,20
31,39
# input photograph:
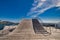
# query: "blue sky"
14,10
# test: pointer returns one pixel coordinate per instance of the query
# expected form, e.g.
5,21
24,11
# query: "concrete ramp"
38,27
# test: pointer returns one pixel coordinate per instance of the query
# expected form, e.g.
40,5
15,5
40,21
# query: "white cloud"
40,6
58,4
43,0
41,11
36,4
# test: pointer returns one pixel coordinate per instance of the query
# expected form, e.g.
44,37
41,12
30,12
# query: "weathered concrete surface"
25,26
7,30
25,31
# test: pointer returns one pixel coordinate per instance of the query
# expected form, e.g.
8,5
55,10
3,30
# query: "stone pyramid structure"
25,26
31,26
28,29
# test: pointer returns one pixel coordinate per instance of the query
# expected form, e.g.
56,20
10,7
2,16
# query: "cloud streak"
40,6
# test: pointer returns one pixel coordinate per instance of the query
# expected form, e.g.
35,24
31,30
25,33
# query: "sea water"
1,26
